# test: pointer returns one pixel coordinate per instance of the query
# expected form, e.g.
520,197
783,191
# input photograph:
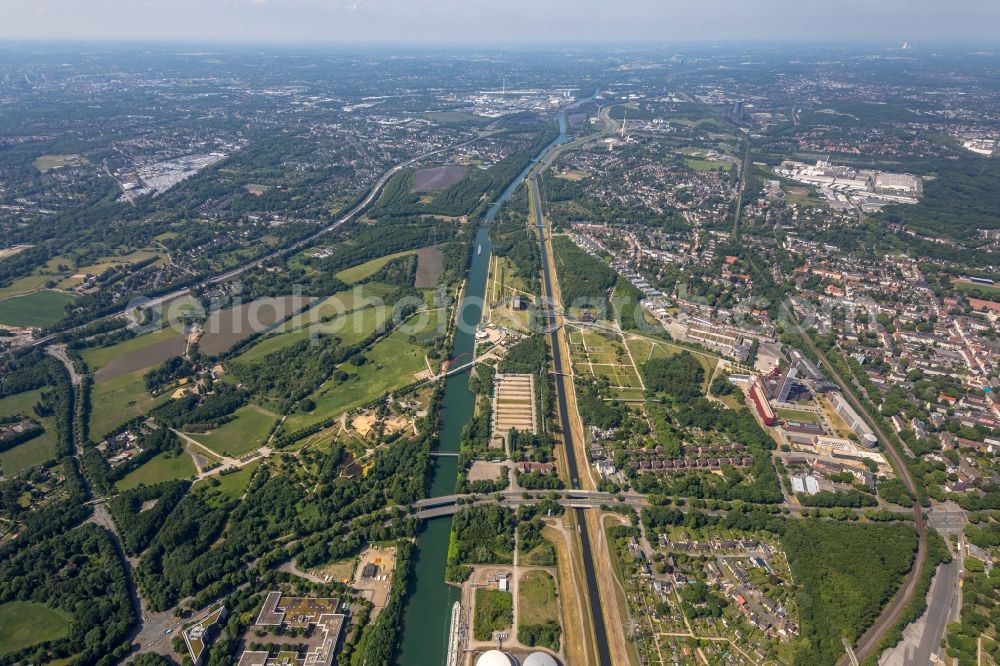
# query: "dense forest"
680,375
583,280
844,574
81,573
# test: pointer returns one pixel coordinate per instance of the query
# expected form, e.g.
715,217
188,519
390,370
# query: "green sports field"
25,623
40,309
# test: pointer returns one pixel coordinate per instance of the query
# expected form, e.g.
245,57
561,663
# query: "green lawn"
45,162
796,415
988,290
36,450
25,623
537,600
163,467
119,399
351,329
40,309
246,433
708,165
369,268
231,486
393,362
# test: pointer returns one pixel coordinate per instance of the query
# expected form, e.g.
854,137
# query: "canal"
427,616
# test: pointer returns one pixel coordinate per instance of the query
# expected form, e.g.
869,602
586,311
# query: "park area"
167,466
247,432
25,623
603,354
644,349
36,450
40,309
393,362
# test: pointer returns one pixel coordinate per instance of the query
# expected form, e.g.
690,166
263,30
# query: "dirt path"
577,627
615,617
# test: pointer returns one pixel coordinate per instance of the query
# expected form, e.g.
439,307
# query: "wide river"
427,616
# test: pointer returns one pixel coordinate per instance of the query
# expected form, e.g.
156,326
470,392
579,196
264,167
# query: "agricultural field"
430,261
163,467
361,271
341,303
119,399
40,309
36,450
245,433
139,353
119,391
435,179
224,328
25,623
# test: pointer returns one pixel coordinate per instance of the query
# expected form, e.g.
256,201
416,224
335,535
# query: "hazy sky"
340,21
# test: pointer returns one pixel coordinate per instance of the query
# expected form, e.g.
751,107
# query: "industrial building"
759,399
853,421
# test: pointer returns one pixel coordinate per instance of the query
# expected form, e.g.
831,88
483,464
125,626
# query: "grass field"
392,362
36,450
117,400
644,349
101,356
494,612
45,162
797,415
987,289
104,263
537,600
231,486
369,268
351,329
707,165
40,309
159,468
602,355
25,623
246,433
